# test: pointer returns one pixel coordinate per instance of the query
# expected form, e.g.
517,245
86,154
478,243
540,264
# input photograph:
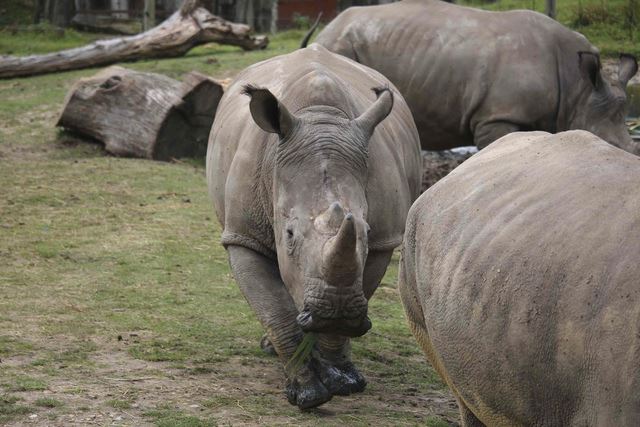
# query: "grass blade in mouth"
302,354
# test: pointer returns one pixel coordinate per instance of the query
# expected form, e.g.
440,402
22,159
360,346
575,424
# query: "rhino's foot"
306,390
267,346
340,380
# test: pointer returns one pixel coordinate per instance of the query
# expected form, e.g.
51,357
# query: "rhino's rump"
460,67
527,271
241,155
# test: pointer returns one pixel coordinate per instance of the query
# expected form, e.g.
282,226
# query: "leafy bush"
301,22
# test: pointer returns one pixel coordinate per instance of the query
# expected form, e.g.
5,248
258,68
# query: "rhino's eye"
290,240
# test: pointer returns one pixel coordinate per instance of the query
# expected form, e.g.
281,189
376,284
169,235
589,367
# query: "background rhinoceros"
520,279
312,175
471,76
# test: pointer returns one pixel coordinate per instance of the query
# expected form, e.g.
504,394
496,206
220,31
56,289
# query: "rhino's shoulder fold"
230,238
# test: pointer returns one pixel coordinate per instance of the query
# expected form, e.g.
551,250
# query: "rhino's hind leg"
332,363
259,280
487,132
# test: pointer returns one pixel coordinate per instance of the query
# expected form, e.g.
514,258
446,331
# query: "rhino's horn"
339,256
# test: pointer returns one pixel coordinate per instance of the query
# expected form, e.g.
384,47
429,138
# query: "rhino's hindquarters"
519,277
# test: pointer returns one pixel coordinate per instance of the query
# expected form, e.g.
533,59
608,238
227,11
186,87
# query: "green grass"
48,402
42,38
114,284
25,383
165,416
10,409
606,23
119,404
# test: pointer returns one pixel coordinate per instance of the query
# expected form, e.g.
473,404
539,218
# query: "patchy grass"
25,383
10,409
117,296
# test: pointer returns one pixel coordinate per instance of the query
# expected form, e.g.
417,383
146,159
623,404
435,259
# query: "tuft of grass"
10,410
302,354
219,402
10,346
166,416
159,350
436,421
48,402
119,404
25,383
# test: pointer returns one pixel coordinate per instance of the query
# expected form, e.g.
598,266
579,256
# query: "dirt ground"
120,377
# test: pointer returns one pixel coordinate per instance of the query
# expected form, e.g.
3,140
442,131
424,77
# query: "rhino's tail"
312,30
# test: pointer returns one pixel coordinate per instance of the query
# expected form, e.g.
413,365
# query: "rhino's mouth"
356,327
333,309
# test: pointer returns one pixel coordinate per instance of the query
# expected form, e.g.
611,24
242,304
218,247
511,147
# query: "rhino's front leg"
259,280
332,363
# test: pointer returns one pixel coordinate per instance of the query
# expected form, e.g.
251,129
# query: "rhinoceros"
521,282
472,76
312,174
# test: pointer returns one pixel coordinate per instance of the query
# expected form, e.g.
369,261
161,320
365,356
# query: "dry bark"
144,115
437,164
183,30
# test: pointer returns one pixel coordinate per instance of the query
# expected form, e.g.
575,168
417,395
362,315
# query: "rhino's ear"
377,112
589,63
268,112
628,68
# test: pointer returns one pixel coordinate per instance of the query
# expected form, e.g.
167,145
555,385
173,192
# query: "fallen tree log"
143,115
437,164
183,30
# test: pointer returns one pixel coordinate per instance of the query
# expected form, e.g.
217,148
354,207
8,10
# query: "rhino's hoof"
340,380
306,391
357,380
267,346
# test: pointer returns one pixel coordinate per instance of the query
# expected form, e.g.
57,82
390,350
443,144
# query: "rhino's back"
240,155
526,262
457,66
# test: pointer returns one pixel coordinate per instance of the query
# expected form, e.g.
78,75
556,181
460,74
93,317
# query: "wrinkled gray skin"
312,175
471,76
524,292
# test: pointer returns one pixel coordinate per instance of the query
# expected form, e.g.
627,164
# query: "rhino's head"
320,207
604,106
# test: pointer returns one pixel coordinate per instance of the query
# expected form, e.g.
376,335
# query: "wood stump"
143,115
189,27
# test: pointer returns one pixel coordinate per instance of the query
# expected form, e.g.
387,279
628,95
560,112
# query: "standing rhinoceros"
470,76
521,282
312,174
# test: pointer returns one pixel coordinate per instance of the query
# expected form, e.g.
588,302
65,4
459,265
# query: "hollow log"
186,28
144,115
437,164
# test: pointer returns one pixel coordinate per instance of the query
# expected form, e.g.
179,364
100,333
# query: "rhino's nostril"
305,319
